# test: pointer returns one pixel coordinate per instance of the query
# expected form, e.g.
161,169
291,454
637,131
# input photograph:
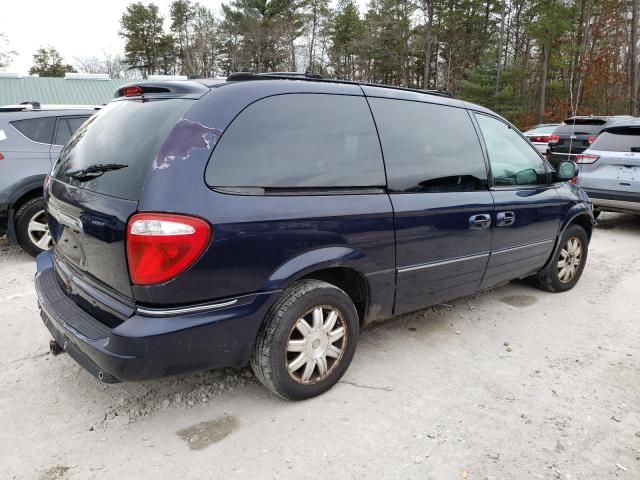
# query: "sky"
76,28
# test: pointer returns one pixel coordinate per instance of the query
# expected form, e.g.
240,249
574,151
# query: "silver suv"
610,168
31,138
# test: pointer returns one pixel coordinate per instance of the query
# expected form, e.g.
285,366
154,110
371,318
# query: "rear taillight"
591,138
540,139
586,158
1,156
554,138
133,91
161,246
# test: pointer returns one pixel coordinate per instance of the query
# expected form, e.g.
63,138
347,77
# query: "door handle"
504,219
482,220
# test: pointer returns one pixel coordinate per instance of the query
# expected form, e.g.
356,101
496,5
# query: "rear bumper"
614,200
143,347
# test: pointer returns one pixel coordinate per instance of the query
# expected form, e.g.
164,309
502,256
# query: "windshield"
112,152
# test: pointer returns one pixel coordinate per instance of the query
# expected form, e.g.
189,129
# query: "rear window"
299,141
36,129
579,128
125,136
543,129
620,140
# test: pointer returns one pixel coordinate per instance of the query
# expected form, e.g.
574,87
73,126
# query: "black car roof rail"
33,103
244,76
20,107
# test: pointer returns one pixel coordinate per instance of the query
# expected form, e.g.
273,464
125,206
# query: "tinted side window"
36,129
428,147
297,141
513,161
63,132
76,122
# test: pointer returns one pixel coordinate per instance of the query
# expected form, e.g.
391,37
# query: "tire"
557,278
32,211
274,365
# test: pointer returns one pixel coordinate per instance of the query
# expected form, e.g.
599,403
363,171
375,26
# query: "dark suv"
265,219
575,135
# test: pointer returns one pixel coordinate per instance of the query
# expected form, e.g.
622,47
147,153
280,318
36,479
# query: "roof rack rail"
244,76
306,74
33,103
21,107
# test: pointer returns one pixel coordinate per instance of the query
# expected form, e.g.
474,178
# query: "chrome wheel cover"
38,231
570,259
316,344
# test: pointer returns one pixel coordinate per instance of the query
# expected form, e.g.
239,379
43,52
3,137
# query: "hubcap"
38,231
570,259
316,344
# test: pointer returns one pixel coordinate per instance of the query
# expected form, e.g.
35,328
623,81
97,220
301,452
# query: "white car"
539,135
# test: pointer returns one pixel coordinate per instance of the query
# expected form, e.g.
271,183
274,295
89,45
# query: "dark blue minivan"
265,219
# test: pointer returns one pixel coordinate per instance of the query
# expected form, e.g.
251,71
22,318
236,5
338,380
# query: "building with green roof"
74,89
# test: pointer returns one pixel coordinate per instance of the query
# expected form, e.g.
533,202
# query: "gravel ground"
515,383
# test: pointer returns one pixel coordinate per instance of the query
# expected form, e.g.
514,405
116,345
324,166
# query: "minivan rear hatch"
96,185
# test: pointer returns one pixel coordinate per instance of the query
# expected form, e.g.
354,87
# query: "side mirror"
566,171
526,177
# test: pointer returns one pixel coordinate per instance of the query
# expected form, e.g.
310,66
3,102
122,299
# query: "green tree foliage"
529,60
147,47
47,62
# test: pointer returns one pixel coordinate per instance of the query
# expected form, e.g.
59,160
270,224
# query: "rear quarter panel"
25,163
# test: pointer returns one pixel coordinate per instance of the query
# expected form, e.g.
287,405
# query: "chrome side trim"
621,204
519,247
445,262
155,312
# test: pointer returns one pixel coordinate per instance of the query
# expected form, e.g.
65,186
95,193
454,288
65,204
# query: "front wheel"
307,341
568,263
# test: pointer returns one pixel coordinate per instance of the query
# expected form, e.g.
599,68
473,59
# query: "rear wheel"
32,230
307,341
568,263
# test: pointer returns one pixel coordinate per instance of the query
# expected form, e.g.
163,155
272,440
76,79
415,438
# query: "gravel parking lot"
515,383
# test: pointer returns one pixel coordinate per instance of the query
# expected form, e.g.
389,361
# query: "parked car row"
609,170
31,139
265,219
607,151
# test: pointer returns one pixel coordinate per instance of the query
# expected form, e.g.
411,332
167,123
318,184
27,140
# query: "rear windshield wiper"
94,171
